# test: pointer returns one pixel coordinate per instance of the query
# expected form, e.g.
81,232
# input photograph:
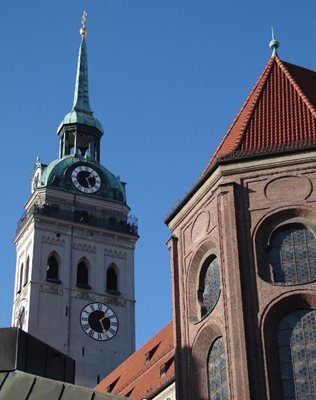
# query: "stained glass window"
209,285
297,352
292,255
217,382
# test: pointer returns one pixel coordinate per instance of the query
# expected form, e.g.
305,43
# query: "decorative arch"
52,268
202,266
83,274
201,348
265,234
273,315
112,281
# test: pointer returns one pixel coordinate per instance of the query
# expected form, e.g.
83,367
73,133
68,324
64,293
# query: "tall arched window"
209,285
216,371
292,255
297,354
111,279
20,278
26,273
83,275
52,269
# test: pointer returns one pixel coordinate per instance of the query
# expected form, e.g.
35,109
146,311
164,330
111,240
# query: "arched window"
20,278
111,279
52,269
297,354
209,285
216,371
26,273
292,255
83,275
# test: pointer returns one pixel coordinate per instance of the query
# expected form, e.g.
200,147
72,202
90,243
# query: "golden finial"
83,29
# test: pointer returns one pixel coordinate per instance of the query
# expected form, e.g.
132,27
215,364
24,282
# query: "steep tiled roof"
279,114
145,371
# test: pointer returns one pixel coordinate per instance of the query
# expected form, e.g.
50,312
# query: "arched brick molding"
278,309
199,357
207,249
271,222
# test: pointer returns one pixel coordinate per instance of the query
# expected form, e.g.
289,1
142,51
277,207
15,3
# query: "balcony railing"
82,217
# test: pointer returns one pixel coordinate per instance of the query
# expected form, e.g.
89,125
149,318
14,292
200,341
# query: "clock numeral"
100,336
84,318
86,327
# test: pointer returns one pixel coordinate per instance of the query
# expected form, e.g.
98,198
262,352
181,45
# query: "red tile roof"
140,375
279,114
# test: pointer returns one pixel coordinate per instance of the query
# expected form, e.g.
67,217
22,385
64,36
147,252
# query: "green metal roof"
81,111
18,385
54,174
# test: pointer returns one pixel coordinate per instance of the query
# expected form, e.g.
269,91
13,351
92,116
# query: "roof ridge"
296,85
259,85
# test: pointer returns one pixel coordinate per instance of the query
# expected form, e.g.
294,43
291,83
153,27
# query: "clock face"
86,179
98,321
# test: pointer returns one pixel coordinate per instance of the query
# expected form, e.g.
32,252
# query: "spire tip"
274,44
83,29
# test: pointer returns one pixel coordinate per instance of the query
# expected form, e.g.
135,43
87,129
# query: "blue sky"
166,78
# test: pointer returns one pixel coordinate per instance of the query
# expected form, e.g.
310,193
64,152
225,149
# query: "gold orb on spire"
83,29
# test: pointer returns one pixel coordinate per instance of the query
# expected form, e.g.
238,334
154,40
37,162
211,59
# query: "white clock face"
98,321
86,179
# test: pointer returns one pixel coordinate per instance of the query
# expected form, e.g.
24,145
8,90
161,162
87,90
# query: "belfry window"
83,275
209,285
216,371
20,278
111,279
26,273
292,255
297,354
52,269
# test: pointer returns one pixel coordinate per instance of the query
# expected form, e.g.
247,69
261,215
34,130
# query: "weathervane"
83,30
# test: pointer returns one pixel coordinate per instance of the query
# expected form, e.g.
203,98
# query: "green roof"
18,385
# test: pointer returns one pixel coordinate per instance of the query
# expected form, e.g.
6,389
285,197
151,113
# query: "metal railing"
82,217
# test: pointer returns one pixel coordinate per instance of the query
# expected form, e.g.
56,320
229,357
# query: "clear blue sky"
166,77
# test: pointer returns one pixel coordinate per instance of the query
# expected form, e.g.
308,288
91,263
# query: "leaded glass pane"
297,353
217,384
292,255
209,285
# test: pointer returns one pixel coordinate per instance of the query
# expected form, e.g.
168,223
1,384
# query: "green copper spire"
81,111
81,96
274,44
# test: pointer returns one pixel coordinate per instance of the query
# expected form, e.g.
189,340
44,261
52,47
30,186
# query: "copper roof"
279,114
18,385
140,375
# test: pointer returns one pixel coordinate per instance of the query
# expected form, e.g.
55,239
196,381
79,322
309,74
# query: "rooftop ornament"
274,44
83,29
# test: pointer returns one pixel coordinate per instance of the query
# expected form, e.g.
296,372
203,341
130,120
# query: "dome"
59,174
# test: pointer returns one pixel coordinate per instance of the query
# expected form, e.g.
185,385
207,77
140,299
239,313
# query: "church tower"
74,283
243,251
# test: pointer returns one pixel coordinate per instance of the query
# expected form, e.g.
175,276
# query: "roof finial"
83,29
274,44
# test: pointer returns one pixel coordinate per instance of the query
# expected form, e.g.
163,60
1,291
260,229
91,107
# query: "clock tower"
74,283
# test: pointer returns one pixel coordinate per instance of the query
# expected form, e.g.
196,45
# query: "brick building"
243,253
